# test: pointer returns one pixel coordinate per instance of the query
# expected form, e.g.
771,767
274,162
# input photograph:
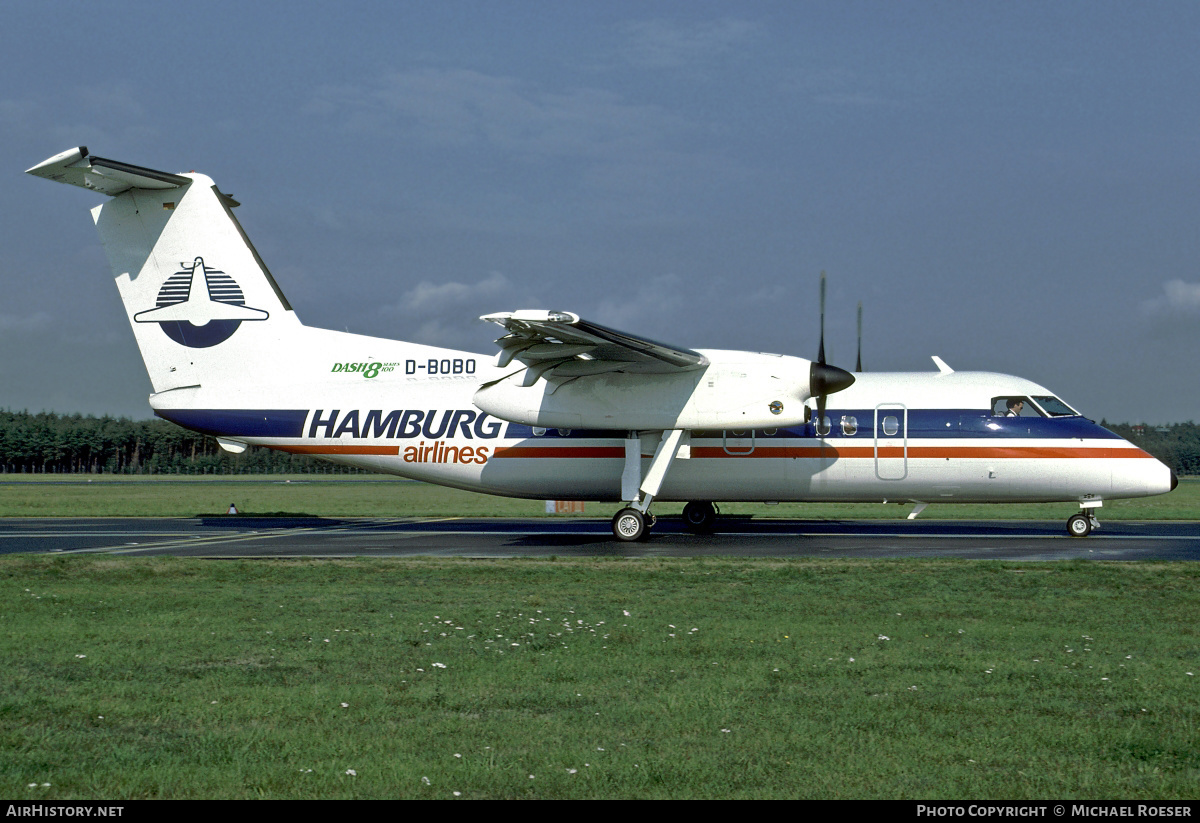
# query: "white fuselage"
892,437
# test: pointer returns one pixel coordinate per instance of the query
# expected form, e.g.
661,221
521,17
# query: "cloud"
13,324
1179,299
661,44
446,314
640,158
436,297
462,107
95,115
655,303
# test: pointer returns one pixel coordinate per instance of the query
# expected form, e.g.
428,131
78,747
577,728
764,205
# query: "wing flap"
557,343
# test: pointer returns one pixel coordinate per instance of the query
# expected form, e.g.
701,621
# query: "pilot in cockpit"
1013,407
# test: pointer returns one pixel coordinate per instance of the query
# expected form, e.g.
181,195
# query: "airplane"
569,409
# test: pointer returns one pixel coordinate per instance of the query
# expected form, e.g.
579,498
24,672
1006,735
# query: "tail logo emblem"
200,312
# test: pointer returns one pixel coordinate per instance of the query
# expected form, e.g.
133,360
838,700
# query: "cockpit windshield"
1036,406
1055,407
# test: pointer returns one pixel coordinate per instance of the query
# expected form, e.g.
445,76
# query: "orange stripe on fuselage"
560,451
334,448
870,452
946,452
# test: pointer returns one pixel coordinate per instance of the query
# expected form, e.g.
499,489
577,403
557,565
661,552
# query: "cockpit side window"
1014,406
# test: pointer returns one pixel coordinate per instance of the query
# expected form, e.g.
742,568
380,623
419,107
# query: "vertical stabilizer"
202,304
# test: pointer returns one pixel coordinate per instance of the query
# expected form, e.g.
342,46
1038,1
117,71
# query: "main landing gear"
700,517
635,521
629,524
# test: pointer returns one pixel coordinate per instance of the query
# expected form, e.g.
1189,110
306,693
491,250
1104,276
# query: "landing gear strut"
635,520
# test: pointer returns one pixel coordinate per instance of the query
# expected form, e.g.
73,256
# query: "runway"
244,537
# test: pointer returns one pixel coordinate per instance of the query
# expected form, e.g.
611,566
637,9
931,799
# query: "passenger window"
890,425
849,425
823,427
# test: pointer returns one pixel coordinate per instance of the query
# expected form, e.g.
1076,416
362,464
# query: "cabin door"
891,441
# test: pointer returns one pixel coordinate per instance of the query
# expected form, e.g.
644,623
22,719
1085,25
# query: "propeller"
823,379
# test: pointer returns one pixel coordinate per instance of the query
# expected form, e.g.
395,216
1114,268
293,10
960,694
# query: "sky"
1012,186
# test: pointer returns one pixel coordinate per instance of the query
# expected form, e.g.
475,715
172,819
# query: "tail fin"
198,296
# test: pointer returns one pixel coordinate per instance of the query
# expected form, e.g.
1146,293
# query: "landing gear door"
891,441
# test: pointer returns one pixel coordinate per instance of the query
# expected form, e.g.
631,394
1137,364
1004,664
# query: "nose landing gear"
1081,525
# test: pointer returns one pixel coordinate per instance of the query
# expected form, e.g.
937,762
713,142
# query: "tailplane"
199,298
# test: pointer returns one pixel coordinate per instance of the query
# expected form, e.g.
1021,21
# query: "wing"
561,346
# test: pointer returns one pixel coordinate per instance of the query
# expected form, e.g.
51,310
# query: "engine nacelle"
736,390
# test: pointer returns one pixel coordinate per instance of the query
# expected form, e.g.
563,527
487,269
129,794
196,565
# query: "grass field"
357,496
585,678
171,678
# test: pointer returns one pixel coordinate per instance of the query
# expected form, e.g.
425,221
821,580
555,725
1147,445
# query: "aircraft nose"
1174,480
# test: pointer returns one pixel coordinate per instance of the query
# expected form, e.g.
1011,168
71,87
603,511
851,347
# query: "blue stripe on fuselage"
960,423
239,422
922,423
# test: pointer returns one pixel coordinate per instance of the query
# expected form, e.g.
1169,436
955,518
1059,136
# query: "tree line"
49,443
1177,445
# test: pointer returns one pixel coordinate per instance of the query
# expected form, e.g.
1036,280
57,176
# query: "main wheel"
1079,525
629,525
699,517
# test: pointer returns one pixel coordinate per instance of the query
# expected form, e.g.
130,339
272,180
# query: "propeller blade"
821,350
858,364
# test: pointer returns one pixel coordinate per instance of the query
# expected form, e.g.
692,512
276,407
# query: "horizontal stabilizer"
110,177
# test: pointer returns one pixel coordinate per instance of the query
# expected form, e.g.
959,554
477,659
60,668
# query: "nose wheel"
1081,525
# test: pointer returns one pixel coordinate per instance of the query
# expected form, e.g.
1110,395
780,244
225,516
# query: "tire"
629,525
699,517
1079,525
